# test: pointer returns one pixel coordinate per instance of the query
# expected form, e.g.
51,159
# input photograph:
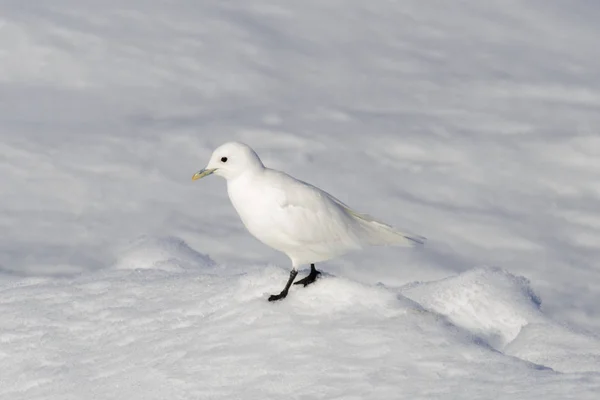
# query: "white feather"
294,217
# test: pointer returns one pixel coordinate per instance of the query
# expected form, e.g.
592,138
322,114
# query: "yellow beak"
202,173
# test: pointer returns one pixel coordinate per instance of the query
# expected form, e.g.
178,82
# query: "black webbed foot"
280,296
284,292
312,276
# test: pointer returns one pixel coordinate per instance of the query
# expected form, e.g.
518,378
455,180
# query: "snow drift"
505,313
207,331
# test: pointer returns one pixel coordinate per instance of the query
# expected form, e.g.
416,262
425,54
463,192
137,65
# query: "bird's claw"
280,296
311,278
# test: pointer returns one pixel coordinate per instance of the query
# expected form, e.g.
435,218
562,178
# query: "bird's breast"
257,208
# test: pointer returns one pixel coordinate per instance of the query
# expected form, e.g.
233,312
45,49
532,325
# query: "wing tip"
416,240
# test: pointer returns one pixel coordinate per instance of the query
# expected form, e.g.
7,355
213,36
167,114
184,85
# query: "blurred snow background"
472,123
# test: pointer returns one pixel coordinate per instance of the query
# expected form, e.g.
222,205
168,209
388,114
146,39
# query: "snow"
503,311
476,123
209,332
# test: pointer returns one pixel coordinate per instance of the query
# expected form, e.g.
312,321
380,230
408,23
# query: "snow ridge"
179,325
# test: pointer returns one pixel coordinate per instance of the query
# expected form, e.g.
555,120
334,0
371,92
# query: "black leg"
312,276
284,292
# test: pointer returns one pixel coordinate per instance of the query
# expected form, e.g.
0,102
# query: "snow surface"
475,122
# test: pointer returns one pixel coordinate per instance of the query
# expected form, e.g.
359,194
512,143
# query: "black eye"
223,159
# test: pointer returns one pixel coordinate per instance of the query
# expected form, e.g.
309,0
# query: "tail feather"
378,233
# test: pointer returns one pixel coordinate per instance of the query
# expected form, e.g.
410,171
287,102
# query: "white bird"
306,223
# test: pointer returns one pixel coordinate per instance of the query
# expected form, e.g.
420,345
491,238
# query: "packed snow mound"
558,347
164,253
489,302
503,310
195,333
333,295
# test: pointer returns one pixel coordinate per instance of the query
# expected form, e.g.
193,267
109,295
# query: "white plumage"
306,223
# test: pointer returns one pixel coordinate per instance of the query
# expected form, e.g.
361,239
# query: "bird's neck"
244,190
247,176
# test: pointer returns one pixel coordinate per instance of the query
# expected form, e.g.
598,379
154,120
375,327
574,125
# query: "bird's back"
294,217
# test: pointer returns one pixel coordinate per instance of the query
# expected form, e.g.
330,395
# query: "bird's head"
231,160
